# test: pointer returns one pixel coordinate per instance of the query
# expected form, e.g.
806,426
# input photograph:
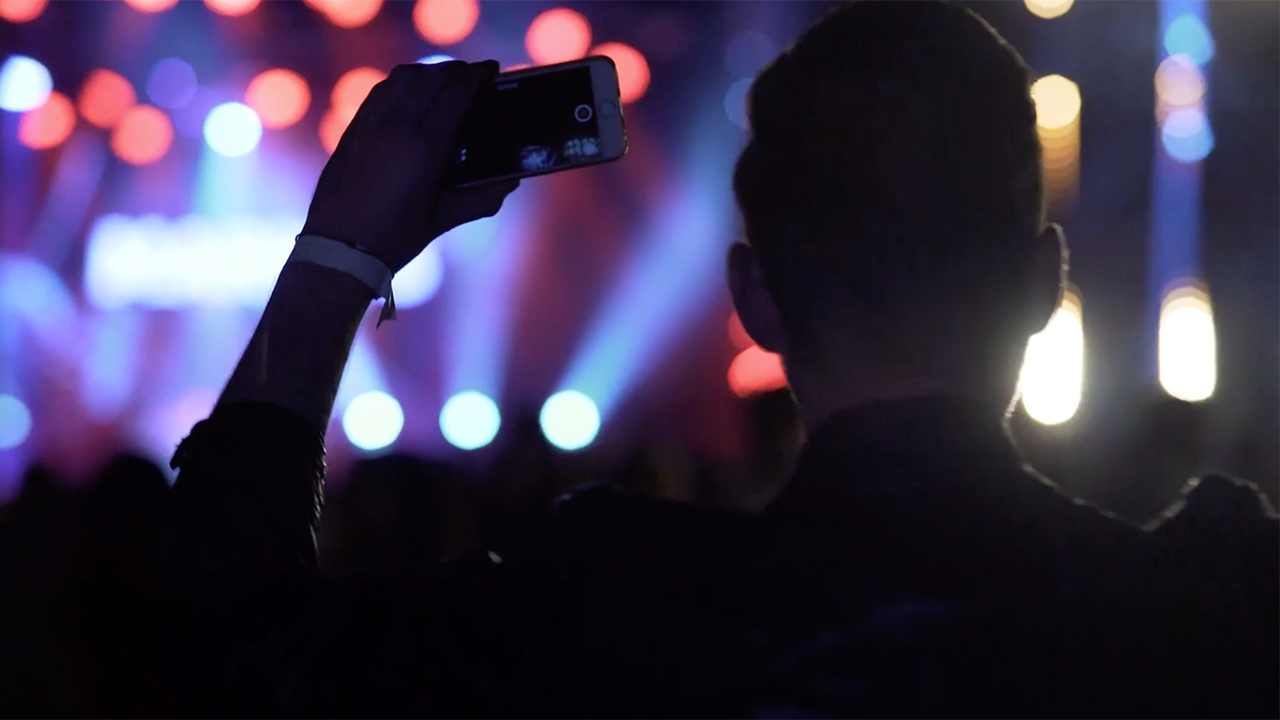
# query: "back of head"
893,178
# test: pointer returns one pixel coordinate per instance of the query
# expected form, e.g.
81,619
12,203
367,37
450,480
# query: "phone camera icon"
583,113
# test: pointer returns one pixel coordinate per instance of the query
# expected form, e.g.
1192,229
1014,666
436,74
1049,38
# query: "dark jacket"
912,567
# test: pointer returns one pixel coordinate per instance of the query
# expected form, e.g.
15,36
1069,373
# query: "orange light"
48,125
143,135
232,8
558,35
20,11
445,22
354,86
348,13
150,6
738,334
756,371
105,98
333,124
279,96
633,69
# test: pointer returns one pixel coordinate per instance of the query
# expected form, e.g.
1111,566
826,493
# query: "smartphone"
542,120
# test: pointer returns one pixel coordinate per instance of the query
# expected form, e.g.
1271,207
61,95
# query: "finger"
458,206
454,99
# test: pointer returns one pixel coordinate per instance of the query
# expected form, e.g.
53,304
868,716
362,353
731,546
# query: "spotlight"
1052,375
1187,344
1049,9
20,11
279,96
172,83
735,102
15,422
105,98
470,420
749,52
570,420
48,125
445,22
1186,135
24,84
1187,35
435,59
232,129
633,69
557,35
373,420
1057,101
142,136
418,281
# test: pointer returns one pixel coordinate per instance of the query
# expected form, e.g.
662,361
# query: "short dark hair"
893,164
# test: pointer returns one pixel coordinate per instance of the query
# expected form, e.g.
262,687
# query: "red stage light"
232,8
20,11
333,124
558,35
354,86
633,69
517,66
348,13
105,98
150,6
756,371
446,22
279,96
48,125
143,135
738,334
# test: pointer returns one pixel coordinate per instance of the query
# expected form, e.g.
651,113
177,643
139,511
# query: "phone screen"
528,125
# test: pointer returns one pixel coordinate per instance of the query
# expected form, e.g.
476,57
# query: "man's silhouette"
898,260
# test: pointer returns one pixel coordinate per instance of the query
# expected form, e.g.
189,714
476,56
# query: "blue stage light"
232,129
15,422
570,420
171,84
735,102
24,84
749,52
1187,35
1186,135
373,421
470,420
435,59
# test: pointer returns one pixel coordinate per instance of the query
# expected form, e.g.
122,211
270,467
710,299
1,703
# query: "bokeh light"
1179,82
756,370
418,281
1052,377
348,13
633,69
150,6
171,84
738,336
333,124
142,136
232,8
445,22
280,97
749,52
1049,9
48,125
557,35
373,420
569,420
20,11
735,102
1057,102
1187,35
1186,135
15,422
232,129
1188,353
105,98
24,84
354,86
470,420
435,59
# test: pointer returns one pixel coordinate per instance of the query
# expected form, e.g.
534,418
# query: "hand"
382,190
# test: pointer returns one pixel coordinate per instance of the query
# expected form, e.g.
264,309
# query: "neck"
818,401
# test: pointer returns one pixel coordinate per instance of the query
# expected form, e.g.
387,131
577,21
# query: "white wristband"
356,263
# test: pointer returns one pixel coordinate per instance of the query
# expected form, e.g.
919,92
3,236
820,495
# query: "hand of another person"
383,189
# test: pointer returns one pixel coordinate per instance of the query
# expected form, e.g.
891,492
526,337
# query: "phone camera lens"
583,113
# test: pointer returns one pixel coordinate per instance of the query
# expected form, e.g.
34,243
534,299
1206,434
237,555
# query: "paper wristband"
356,263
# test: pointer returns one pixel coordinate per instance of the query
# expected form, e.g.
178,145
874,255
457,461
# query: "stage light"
1179,81
570,420
1187,35
1049,9
105,98
1052,376
279,96
142,136
333,124
373,420
1187,344
749,53
24,84
735,102
445,22
349,13
633,69
20,11
354,86
435,59
738,336
232,129
150,6
1186,135
418,281
15,422
755,370
171,84
48,125
1057,102
470,420
232,8
557,35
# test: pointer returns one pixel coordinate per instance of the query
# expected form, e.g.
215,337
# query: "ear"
1048,276
759,314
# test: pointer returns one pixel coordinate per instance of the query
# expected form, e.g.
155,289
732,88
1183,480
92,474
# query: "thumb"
458,206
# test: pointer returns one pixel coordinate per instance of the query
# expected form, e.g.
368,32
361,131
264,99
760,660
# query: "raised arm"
238,572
